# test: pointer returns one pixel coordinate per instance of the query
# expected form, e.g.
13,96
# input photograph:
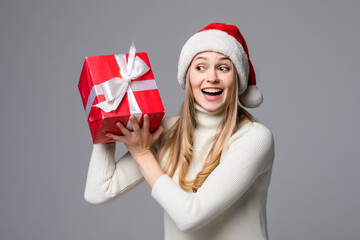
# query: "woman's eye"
224,68
200,68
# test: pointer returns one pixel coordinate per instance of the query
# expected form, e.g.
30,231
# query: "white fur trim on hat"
216,41
252,97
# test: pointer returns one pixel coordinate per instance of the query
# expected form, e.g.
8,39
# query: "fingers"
116,137
134,123
123,129
158,132
146,122
140,137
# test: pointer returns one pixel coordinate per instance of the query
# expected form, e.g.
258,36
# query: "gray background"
306,56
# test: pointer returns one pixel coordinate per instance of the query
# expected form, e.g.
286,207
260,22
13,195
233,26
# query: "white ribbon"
115,88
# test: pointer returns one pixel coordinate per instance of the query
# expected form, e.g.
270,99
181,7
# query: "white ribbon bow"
114,89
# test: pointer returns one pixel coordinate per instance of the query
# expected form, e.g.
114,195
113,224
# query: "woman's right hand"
140,140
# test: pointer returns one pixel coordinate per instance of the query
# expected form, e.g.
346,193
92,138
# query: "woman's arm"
107,180
248,157
139,142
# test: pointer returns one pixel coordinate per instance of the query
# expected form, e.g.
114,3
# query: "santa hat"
225,39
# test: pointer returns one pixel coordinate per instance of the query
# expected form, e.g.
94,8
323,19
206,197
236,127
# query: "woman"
214,160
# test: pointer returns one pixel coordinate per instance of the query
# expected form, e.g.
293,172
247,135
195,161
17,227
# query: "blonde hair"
180,137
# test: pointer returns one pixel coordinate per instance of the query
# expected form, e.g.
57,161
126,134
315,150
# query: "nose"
212,76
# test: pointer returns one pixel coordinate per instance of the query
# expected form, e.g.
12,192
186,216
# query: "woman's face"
211,78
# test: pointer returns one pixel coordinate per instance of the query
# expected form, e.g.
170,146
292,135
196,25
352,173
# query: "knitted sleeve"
250,154
107,179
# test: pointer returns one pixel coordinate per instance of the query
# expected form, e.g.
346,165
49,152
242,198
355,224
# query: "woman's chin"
211,106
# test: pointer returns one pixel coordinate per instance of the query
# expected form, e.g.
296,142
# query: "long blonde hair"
180,137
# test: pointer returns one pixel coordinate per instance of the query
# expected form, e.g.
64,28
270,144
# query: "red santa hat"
225,39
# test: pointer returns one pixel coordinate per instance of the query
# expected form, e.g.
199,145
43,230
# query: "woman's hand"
139,141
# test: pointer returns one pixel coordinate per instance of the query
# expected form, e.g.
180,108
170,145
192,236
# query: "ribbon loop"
114,89
132,52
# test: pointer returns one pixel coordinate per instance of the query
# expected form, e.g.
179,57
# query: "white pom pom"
252,97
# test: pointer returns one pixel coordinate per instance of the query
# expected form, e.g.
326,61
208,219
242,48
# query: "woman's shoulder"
169,121
256,131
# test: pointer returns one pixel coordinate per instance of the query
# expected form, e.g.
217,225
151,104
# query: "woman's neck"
208,120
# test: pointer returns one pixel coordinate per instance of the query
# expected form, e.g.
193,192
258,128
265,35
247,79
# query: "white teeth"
212,90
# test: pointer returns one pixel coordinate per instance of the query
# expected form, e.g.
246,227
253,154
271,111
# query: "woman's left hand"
140,140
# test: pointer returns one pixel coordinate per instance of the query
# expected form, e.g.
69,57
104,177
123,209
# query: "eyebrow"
225,58
200,58
205,58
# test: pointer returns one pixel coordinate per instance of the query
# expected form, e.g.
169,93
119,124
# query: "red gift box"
101,73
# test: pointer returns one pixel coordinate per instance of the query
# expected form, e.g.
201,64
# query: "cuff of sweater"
103,146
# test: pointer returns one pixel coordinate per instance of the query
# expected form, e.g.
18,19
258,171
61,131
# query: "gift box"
114,87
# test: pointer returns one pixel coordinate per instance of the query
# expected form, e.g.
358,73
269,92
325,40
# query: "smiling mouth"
212,91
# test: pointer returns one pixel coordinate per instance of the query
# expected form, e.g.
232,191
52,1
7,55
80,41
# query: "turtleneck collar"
208,120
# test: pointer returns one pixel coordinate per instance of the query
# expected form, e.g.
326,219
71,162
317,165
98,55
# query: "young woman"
211,168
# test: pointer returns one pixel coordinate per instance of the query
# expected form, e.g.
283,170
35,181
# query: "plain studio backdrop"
306,57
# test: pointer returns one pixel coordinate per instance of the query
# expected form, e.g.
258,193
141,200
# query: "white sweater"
231,203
